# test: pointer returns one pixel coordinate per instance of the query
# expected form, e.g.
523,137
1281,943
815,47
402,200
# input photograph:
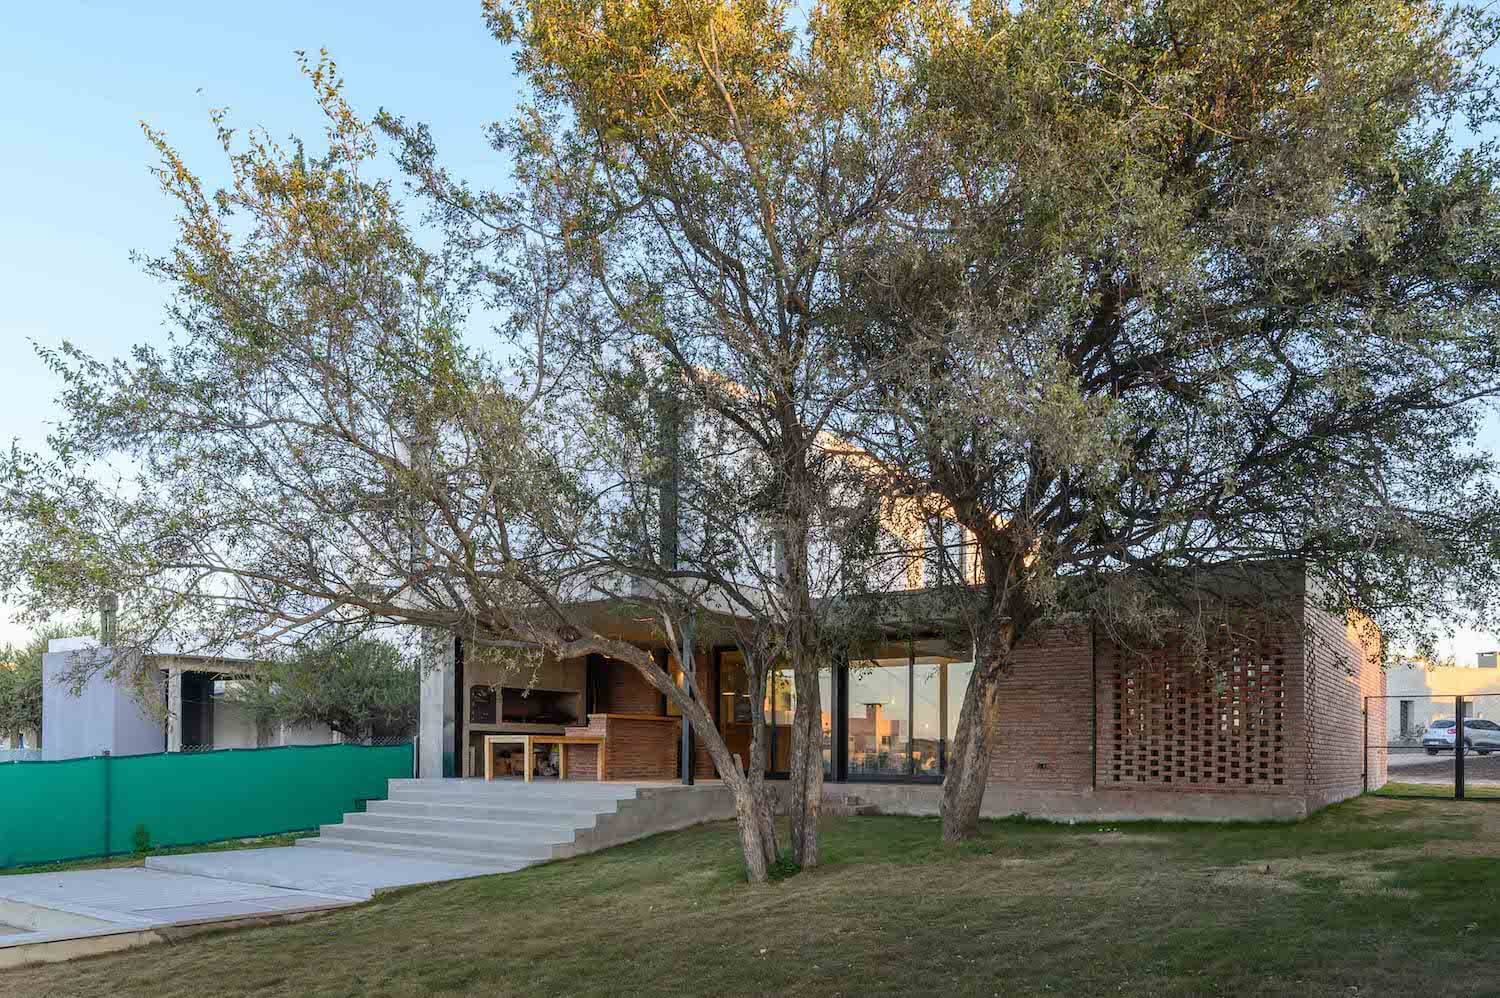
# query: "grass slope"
1373,897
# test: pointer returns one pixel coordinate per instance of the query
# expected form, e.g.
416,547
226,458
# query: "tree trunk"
806,776
969,761
757,828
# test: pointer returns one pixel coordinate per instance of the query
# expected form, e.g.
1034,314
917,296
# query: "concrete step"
542,800
497,864
533,845
847,805
495,829
582,814
550,790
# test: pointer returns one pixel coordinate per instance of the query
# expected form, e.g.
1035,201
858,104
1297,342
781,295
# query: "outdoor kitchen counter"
636,746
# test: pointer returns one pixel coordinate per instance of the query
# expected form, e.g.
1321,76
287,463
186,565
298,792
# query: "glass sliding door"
736,718
902,714
779,700
879,722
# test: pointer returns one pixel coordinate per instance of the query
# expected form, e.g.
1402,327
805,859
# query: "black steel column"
1458,748
687,752
841,719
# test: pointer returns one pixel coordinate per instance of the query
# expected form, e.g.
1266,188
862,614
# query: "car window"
1441,724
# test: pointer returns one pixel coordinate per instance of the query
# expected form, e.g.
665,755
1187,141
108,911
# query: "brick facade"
1224,726
1042,737
1343,670
1278,714
1273,725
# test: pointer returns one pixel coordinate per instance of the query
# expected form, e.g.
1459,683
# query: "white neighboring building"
194,713
1420,694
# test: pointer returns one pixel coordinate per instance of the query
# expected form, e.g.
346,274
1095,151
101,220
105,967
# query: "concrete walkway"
46,917
356,875
427,831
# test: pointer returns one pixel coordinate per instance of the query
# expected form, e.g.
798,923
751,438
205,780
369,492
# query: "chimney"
109,611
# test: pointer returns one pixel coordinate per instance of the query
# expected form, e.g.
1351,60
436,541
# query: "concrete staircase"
844,805
506,824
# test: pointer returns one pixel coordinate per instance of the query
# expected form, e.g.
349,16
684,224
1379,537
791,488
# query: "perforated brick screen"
1223,726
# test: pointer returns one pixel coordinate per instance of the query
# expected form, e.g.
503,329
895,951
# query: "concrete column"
174,709
436,753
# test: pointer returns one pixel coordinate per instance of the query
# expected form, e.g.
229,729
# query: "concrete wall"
1080,805
435,715
102,716
233,726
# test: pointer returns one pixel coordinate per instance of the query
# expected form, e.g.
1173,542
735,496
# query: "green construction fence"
84,808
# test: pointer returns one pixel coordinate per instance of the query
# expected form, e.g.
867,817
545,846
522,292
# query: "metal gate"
1433,745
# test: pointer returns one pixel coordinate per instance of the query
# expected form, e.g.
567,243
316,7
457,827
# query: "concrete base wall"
1084,805
656,809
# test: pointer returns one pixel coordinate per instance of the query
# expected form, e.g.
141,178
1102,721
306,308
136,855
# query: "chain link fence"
1436,746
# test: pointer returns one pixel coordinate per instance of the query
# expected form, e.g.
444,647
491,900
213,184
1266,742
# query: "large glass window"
903,713
958,685
781,708
878,726
781,702
825,698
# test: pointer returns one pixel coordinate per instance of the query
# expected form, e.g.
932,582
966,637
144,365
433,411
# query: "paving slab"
141,898
345,873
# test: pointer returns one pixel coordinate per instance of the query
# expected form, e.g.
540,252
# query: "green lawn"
1480,791
1373,897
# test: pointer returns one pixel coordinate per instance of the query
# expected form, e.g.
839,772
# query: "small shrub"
141,838
784,867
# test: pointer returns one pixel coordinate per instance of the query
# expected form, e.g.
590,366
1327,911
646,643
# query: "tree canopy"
1197,288
363,688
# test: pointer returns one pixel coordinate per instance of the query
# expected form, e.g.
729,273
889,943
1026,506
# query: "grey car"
1480,734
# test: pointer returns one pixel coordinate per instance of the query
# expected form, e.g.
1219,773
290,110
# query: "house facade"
1273,727
192,707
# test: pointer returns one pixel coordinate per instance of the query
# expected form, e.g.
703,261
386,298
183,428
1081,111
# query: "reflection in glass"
781,707
958,684
927,682
781,702
878,724
825,698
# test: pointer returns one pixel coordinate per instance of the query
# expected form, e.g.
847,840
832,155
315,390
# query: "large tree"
1199,285
703,165
321,447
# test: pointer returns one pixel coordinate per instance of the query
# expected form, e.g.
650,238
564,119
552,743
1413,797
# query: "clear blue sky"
76,196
